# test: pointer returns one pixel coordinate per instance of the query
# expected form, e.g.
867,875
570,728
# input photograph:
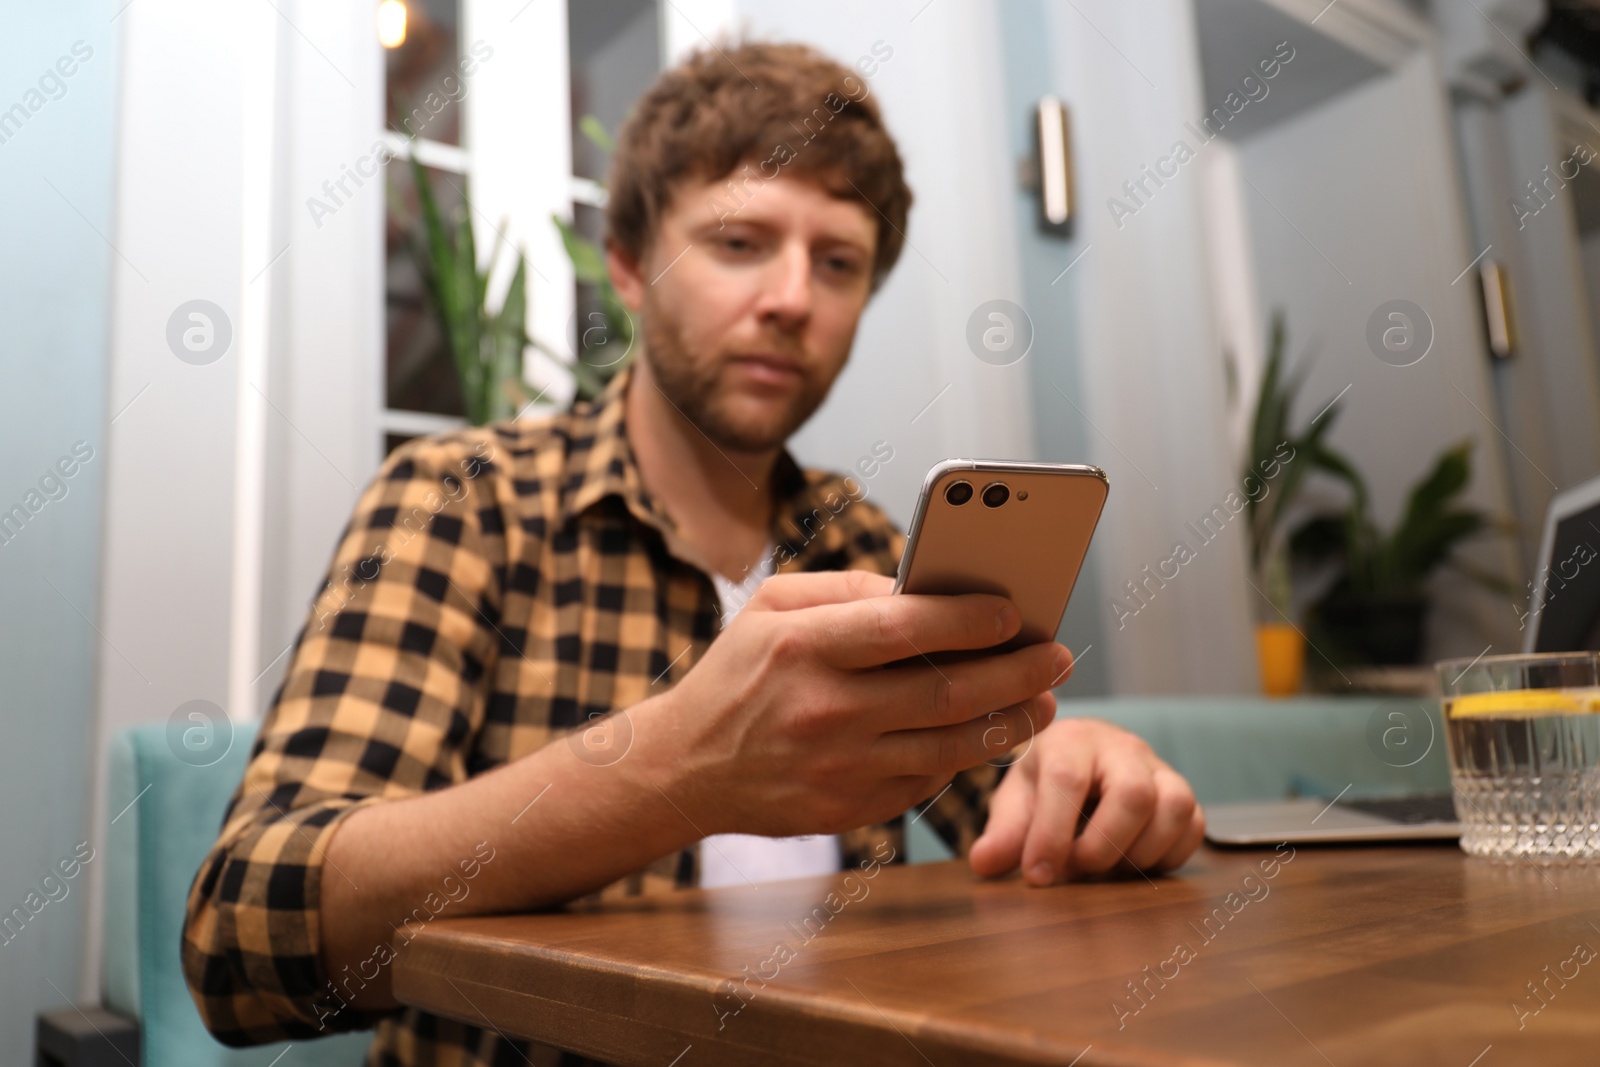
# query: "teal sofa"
167,814
1253,748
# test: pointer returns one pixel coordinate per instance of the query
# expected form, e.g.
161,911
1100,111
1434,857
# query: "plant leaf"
466,325
1427,532
1268,426
595,133
444,258
590,384
588,262
507,331
1449,476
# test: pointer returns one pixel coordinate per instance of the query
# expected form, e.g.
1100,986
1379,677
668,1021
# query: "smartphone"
1017,530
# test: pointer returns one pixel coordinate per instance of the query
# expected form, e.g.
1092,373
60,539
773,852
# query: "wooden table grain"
1414,956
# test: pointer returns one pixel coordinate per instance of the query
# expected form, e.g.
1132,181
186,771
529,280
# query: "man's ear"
626,276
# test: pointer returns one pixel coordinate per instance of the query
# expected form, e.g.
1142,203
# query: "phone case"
1029,548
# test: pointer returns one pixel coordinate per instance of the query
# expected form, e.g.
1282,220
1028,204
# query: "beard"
694,386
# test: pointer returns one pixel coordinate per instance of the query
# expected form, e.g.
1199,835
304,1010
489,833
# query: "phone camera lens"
958,493
996,494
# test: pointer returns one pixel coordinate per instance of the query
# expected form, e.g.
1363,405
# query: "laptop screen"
1569,619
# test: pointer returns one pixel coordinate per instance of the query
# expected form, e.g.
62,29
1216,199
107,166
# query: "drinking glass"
1524,738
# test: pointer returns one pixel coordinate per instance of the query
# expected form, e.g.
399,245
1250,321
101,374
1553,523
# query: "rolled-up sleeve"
382,697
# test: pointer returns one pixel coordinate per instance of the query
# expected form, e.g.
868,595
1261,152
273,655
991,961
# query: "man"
437,746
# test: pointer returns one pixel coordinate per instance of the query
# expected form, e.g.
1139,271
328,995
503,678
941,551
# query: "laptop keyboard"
1427,807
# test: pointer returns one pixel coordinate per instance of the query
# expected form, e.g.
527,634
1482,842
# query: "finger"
1039,712
915,696
871,631
1043,708
998,850
1173,815
1066,666
995,737
1191,840
892,797
792,592
1127,804
1066,775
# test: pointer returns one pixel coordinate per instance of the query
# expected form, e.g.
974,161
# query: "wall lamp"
1048,173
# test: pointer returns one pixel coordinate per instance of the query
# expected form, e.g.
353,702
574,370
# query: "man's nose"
786,291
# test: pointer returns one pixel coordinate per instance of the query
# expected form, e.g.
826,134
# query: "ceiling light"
392,23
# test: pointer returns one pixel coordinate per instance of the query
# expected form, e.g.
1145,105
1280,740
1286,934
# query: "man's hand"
819,710
1142,814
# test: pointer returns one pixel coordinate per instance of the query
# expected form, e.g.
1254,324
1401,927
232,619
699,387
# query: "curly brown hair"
764,109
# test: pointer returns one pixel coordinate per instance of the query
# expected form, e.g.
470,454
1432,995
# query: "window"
614,54
423,97
492,138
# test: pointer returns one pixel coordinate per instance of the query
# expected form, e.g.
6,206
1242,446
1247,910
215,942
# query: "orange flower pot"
1281,651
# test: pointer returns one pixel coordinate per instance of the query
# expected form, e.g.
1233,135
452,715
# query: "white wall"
1358,204
229,481
1550,289
166,607
323,441
1517,134
1056,360
1151,350
56,176
1520,387
1589,252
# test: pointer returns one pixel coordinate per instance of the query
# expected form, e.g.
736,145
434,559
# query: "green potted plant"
1280,646
1375,611
485,344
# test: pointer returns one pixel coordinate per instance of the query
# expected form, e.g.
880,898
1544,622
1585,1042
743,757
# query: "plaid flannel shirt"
495,589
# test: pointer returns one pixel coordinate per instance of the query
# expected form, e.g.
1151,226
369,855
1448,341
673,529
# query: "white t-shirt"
741,859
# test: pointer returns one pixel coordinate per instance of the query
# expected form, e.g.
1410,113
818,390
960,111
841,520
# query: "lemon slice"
1524,703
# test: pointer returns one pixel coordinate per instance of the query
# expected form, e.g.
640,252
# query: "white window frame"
515,155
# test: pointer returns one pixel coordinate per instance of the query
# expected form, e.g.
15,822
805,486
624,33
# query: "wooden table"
1410,956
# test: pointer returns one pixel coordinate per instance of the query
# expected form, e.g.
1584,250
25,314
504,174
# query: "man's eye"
737,244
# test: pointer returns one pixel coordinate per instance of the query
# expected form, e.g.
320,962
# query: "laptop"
1562,615
1309,820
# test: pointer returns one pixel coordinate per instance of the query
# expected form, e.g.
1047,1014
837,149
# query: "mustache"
784,349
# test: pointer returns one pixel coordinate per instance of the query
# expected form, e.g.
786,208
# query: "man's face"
748,313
